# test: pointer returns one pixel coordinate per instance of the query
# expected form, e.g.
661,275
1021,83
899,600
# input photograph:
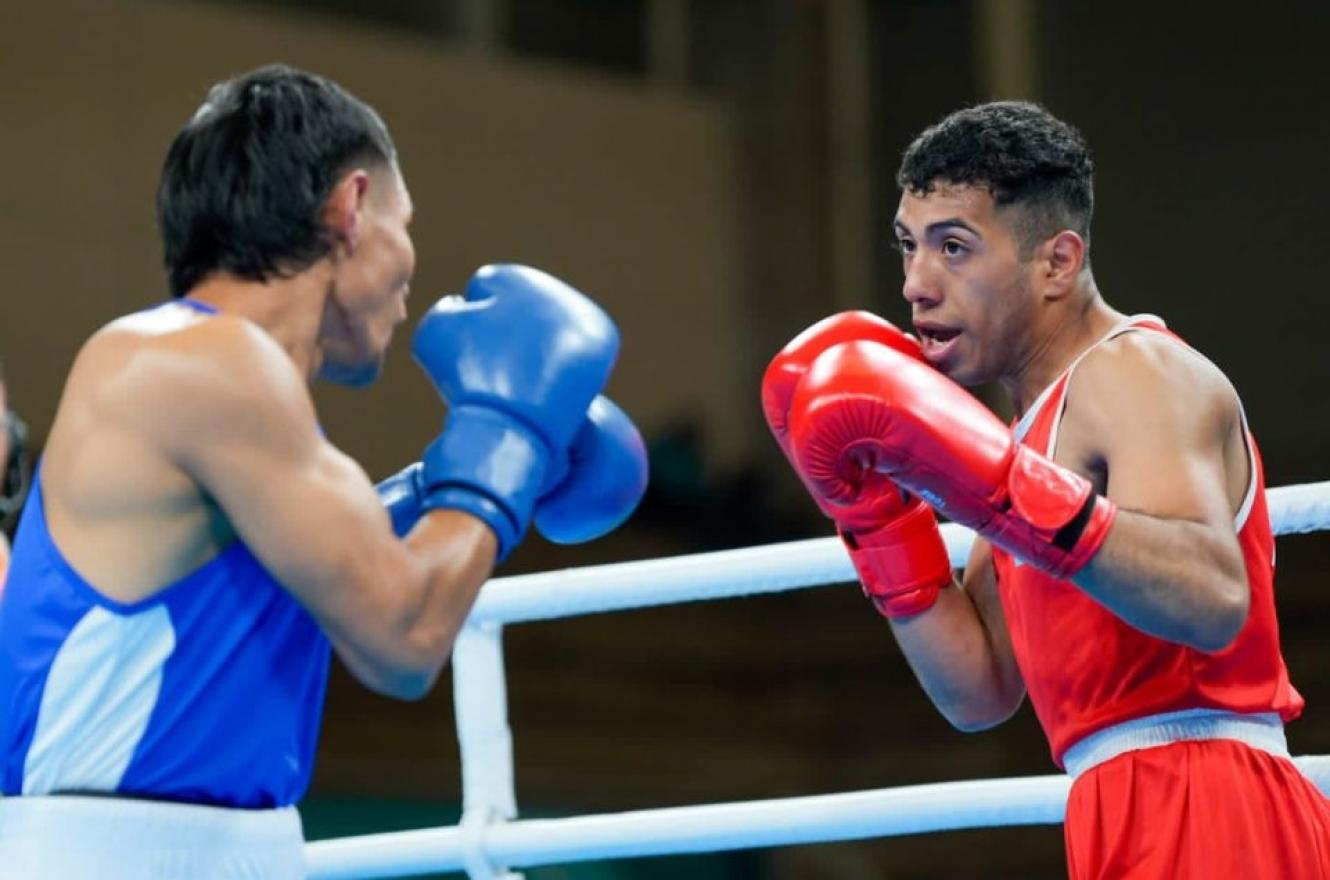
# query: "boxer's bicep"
248,437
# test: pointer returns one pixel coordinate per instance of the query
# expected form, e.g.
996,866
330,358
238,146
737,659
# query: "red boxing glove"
791,363
871,404
892,538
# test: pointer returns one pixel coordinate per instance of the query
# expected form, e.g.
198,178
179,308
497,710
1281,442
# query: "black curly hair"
1018,151
245,180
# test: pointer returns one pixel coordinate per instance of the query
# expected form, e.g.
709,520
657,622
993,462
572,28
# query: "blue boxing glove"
601,480
518,359
605,479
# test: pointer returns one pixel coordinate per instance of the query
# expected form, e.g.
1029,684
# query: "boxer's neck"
290,310
1064,335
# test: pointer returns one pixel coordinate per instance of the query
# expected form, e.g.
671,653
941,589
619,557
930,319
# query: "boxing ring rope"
489,840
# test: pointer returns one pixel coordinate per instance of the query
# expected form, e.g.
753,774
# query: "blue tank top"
210,691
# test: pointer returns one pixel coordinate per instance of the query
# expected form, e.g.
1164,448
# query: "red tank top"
1085,669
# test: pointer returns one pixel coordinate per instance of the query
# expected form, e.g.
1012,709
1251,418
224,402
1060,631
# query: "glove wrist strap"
903,565
1056,521
490,465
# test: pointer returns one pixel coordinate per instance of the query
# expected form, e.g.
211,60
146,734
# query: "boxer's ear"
342,210
1058,263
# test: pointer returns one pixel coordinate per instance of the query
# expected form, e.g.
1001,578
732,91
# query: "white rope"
911,809
1299,509
481,705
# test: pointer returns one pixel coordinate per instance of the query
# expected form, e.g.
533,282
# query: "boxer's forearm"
968,673
1175,579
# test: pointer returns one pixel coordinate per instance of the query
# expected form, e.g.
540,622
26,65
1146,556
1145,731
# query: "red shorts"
1202,810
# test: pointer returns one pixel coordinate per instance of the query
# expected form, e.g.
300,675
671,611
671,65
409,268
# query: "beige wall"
624,192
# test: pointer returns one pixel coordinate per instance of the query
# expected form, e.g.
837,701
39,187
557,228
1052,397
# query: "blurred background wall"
719,174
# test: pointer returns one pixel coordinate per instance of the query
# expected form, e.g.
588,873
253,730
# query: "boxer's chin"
351,375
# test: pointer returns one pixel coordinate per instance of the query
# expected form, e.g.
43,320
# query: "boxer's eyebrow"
939,226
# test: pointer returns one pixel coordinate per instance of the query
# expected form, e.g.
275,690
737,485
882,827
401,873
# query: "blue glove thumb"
605,478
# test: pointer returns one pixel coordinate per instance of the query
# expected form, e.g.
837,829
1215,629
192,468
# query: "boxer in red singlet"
1123,577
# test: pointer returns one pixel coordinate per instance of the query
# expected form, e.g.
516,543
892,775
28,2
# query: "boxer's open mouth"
936,340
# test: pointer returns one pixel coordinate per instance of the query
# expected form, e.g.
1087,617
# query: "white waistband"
1264,731
105,837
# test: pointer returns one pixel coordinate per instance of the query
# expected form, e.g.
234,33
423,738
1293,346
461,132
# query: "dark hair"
245,180
1020,153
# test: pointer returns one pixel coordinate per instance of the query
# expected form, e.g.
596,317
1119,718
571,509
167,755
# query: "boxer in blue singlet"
193,548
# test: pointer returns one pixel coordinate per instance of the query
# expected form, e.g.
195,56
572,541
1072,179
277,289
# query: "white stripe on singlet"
99,694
